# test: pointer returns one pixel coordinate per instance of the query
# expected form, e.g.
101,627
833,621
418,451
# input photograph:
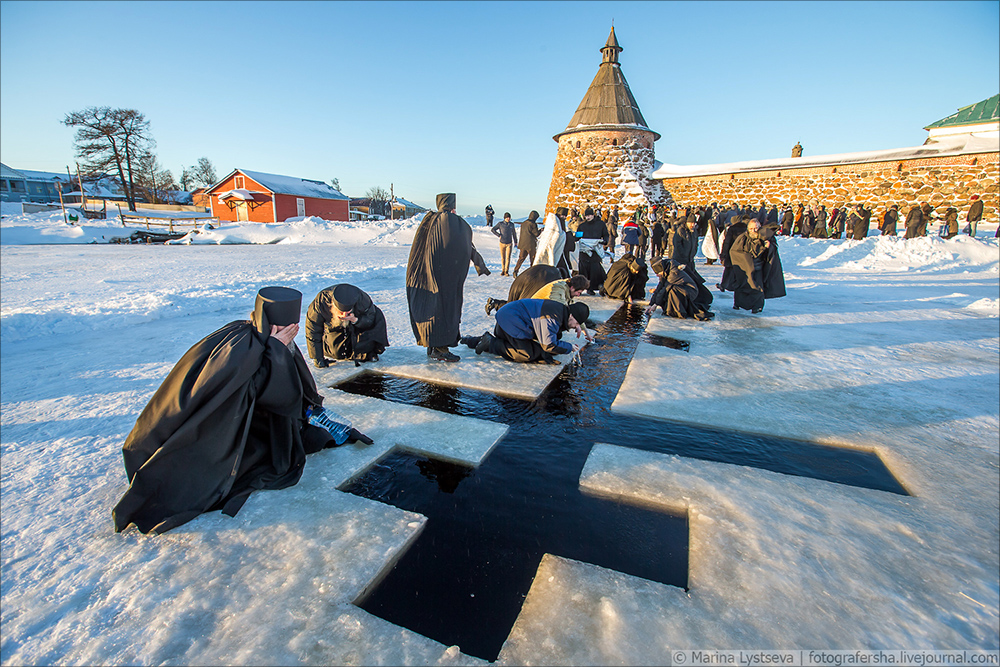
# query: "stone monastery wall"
605,168
941,181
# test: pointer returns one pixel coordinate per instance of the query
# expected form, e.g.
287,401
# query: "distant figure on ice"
229,418
507,234
435,277
889,221
975,214
627,278
757,273
677,292
950,228
489,215
529,241
343,323
612,225
529,331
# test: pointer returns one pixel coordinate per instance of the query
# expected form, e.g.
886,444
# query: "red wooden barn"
258,197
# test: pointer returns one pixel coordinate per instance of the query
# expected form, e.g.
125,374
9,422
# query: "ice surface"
436,434
890,345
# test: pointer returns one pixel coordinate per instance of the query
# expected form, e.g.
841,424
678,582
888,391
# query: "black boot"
441,354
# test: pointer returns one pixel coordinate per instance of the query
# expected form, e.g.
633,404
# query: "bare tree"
186,178
152,180
204,172
111,140
335,182
379,200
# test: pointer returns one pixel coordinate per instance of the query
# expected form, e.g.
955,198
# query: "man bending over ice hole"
343,323
529,331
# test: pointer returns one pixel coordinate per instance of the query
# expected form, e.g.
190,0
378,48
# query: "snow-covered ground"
885,344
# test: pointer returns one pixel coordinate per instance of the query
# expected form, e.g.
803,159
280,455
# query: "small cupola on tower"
605,153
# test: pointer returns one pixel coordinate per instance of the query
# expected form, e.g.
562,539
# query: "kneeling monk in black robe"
677,293
343,323
230,418
626,279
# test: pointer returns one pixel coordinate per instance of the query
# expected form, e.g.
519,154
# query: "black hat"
446,200
562,211
588,211
345,297
580,311
660,265
279,306
533,216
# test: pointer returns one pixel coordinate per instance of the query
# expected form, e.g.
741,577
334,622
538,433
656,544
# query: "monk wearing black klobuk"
627,278
435,278
676,292
757,273
230,418
683,248
343,323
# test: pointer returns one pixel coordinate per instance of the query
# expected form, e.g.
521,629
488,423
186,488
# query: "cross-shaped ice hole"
464,579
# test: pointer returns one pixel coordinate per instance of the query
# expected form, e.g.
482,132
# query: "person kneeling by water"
676,293
343,323
529,331
231,417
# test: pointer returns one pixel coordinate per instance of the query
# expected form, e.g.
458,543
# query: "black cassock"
678,294
228,419
327,336
621,283
756,272
435,277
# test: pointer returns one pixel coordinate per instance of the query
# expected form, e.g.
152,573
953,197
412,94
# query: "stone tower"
605,154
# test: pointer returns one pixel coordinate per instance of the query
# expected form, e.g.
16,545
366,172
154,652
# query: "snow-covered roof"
239,193
30,174
292,185
976,142
407,203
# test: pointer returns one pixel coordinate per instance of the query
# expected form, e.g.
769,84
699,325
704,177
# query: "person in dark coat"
612,226
787,218
529,241
838,222
819,228
343,323
656,238
676,292
951,222
757,272
507,234
489,215
627,278
529,331
975,214
914,220
856,228
683,251
807,223
926,216
729,236
889,221
591,239
435,277
230,418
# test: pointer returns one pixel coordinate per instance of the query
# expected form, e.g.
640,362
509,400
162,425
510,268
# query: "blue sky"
466,96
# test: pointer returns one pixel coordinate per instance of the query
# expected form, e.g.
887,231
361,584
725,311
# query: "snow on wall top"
977,142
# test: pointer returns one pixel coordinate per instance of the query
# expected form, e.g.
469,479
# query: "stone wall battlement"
943,182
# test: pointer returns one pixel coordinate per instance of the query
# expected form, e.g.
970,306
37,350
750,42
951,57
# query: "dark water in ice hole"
465,578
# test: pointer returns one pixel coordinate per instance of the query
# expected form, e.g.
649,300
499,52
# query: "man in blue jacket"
529,331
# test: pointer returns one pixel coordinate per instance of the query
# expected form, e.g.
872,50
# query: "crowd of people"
240,411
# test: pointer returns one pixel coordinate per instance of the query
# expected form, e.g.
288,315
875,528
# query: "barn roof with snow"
289,185
609,101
